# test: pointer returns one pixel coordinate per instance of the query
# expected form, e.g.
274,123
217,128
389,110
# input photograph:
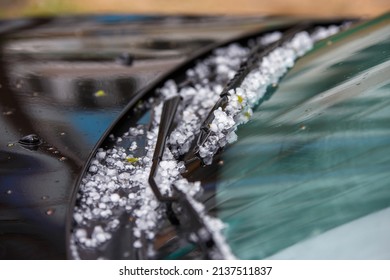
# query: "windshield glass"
314,157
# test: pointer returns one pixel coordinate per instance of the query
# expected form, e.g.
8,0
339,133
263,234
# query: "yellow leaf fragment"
100,93
132,159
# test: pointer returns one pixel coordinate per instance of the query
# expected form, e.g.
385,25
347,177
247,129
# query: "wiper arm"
166,124
188,217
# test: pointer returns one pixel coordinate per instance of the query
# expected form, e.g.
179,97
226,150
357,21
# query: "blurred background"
367,8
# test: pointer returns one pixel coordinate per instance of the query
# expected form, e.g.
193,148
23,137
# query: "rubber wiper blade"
166,124
254,58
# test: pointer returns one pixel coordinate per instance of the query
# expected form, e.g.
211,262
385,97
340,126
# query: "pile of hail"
117,180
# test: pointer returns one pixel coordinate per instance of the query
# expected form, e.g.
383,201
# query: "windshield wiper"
254,58
165,127
192,225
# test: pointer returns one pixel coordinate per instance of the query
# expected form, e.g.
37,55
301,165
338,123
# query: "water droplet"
30,140
220,162
50,212
303,127
125,59
56,152
9,192
10,144
62,133
45,197
50,149
62,158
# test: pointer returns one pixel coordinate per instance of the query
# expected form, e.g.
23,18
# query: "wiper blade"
188,217
254,58
166,124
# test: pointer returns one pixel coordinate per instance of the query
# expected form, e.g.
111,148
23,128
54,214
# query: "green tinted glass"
315,156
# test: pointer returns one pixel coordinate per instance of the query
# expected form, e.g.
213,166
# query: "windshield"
309,175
